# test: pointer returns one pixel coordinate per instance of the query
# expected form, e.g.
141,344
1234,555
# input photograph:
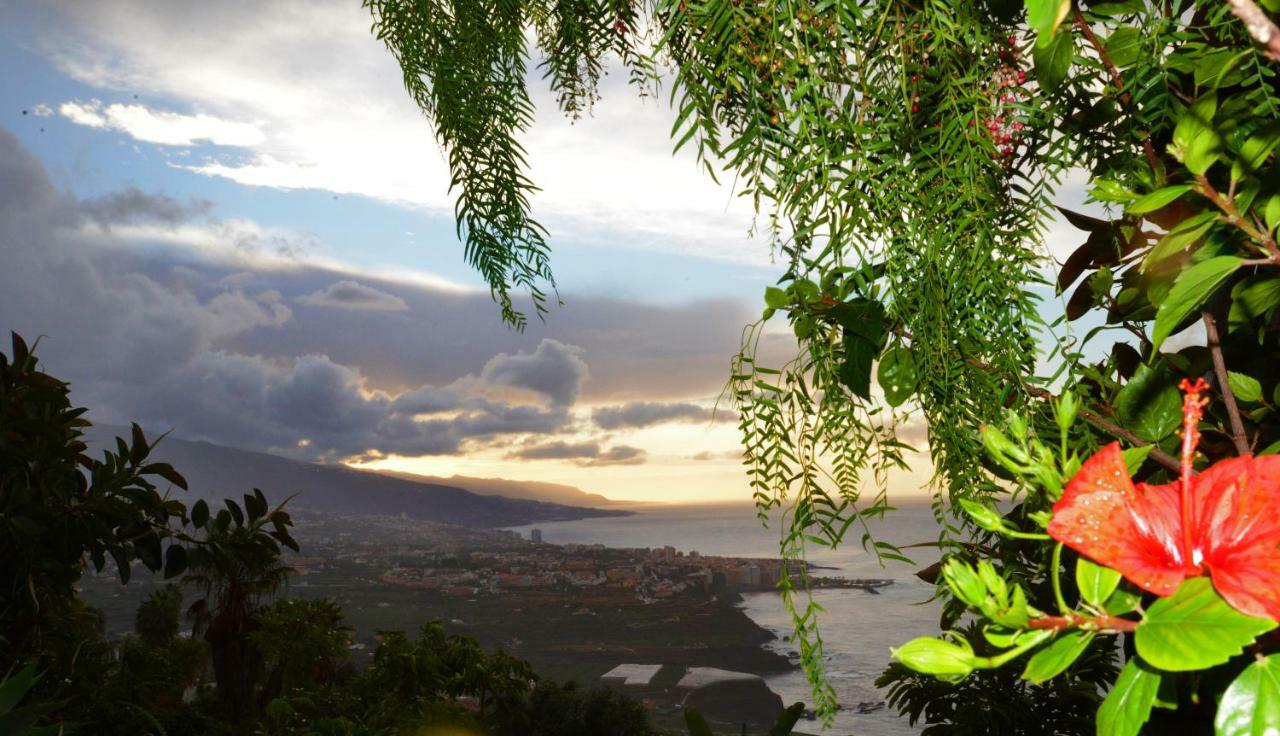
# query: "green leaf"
696,724
1134,457
1245,388
1054,659
1203,151
897,375
776,298
1251,705
1122,602
199,514
861,317
1096,583
1044,16
1053,61
1181,237
166,471
855,372
1157,199
1128,705
1192,288
1195,629
942,659
1149,404
1125,46
175,561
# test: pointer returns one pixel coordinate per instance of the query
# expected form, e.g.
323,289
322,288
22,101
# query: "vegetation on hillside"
218,651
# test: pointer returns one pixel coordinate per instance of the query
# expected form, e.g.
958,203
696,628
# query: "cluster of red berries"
1007,89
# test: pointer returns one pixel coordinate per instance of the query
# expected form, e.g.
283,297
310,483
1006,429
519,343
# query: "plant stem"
1220,370
1056,563
1074,621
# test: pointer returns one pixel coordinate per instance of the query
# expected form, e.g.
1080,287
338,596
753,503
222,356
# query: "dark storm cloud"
638,414
554,369
147,341
175,338
133,205
347,294
586,454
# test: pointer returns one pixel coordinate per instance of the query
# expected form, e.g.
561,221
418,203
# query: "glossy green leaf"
1245,388
1251,704
1195,629
1134,457
1052,61
897,375
1181,237
1044,16
1054,659
1157,199
1193,287
1128,705
1149,404
1096,583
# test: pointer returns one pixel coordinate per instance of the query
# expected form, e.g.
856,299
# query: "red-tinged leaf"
1080,302
1132,530
1075,264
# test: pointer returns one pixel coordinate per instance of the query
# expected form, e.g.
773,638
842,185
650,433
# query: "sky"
228,219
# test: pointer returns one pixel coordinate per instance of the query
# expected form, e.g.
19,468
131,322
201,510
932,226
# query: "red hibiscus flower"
1224,522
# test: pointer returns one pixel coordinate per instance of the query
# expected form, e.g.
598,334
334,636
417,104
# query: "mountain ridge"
214,472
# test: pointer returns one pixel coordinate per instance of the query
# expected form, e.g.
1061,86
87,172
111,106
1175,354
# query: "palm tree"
236,564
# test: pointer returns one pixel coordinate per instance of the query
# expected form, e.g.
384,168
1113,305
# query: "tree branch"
1116,80
1228,207
1224,385
1260,27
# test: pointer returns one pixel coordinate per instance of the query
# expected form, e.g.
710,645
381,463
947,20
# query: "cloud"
706,455
160,126
647,413
554,369
147,339
586,454
42,110
133,205
288,83
348,294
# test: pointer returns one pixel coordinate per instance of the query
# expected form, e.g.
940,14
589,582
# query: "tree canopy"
907,158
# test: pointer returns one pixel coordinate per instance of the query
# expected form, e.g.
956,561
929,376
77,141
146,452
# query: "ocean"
858,627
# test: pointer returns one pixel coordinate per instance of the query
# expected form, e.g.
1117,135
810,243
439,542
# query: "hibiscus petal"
1102,516
1237,531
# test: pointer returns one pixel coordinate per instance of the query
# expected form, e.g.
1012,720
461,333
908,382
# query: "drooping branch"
1260,27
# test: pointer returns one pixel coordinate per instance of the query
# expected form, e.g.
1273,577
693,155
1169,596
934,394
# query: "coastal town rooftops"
639,675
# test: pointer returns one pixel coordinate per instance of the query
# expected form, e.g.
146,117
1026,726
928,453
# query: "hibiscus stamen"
1192,410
